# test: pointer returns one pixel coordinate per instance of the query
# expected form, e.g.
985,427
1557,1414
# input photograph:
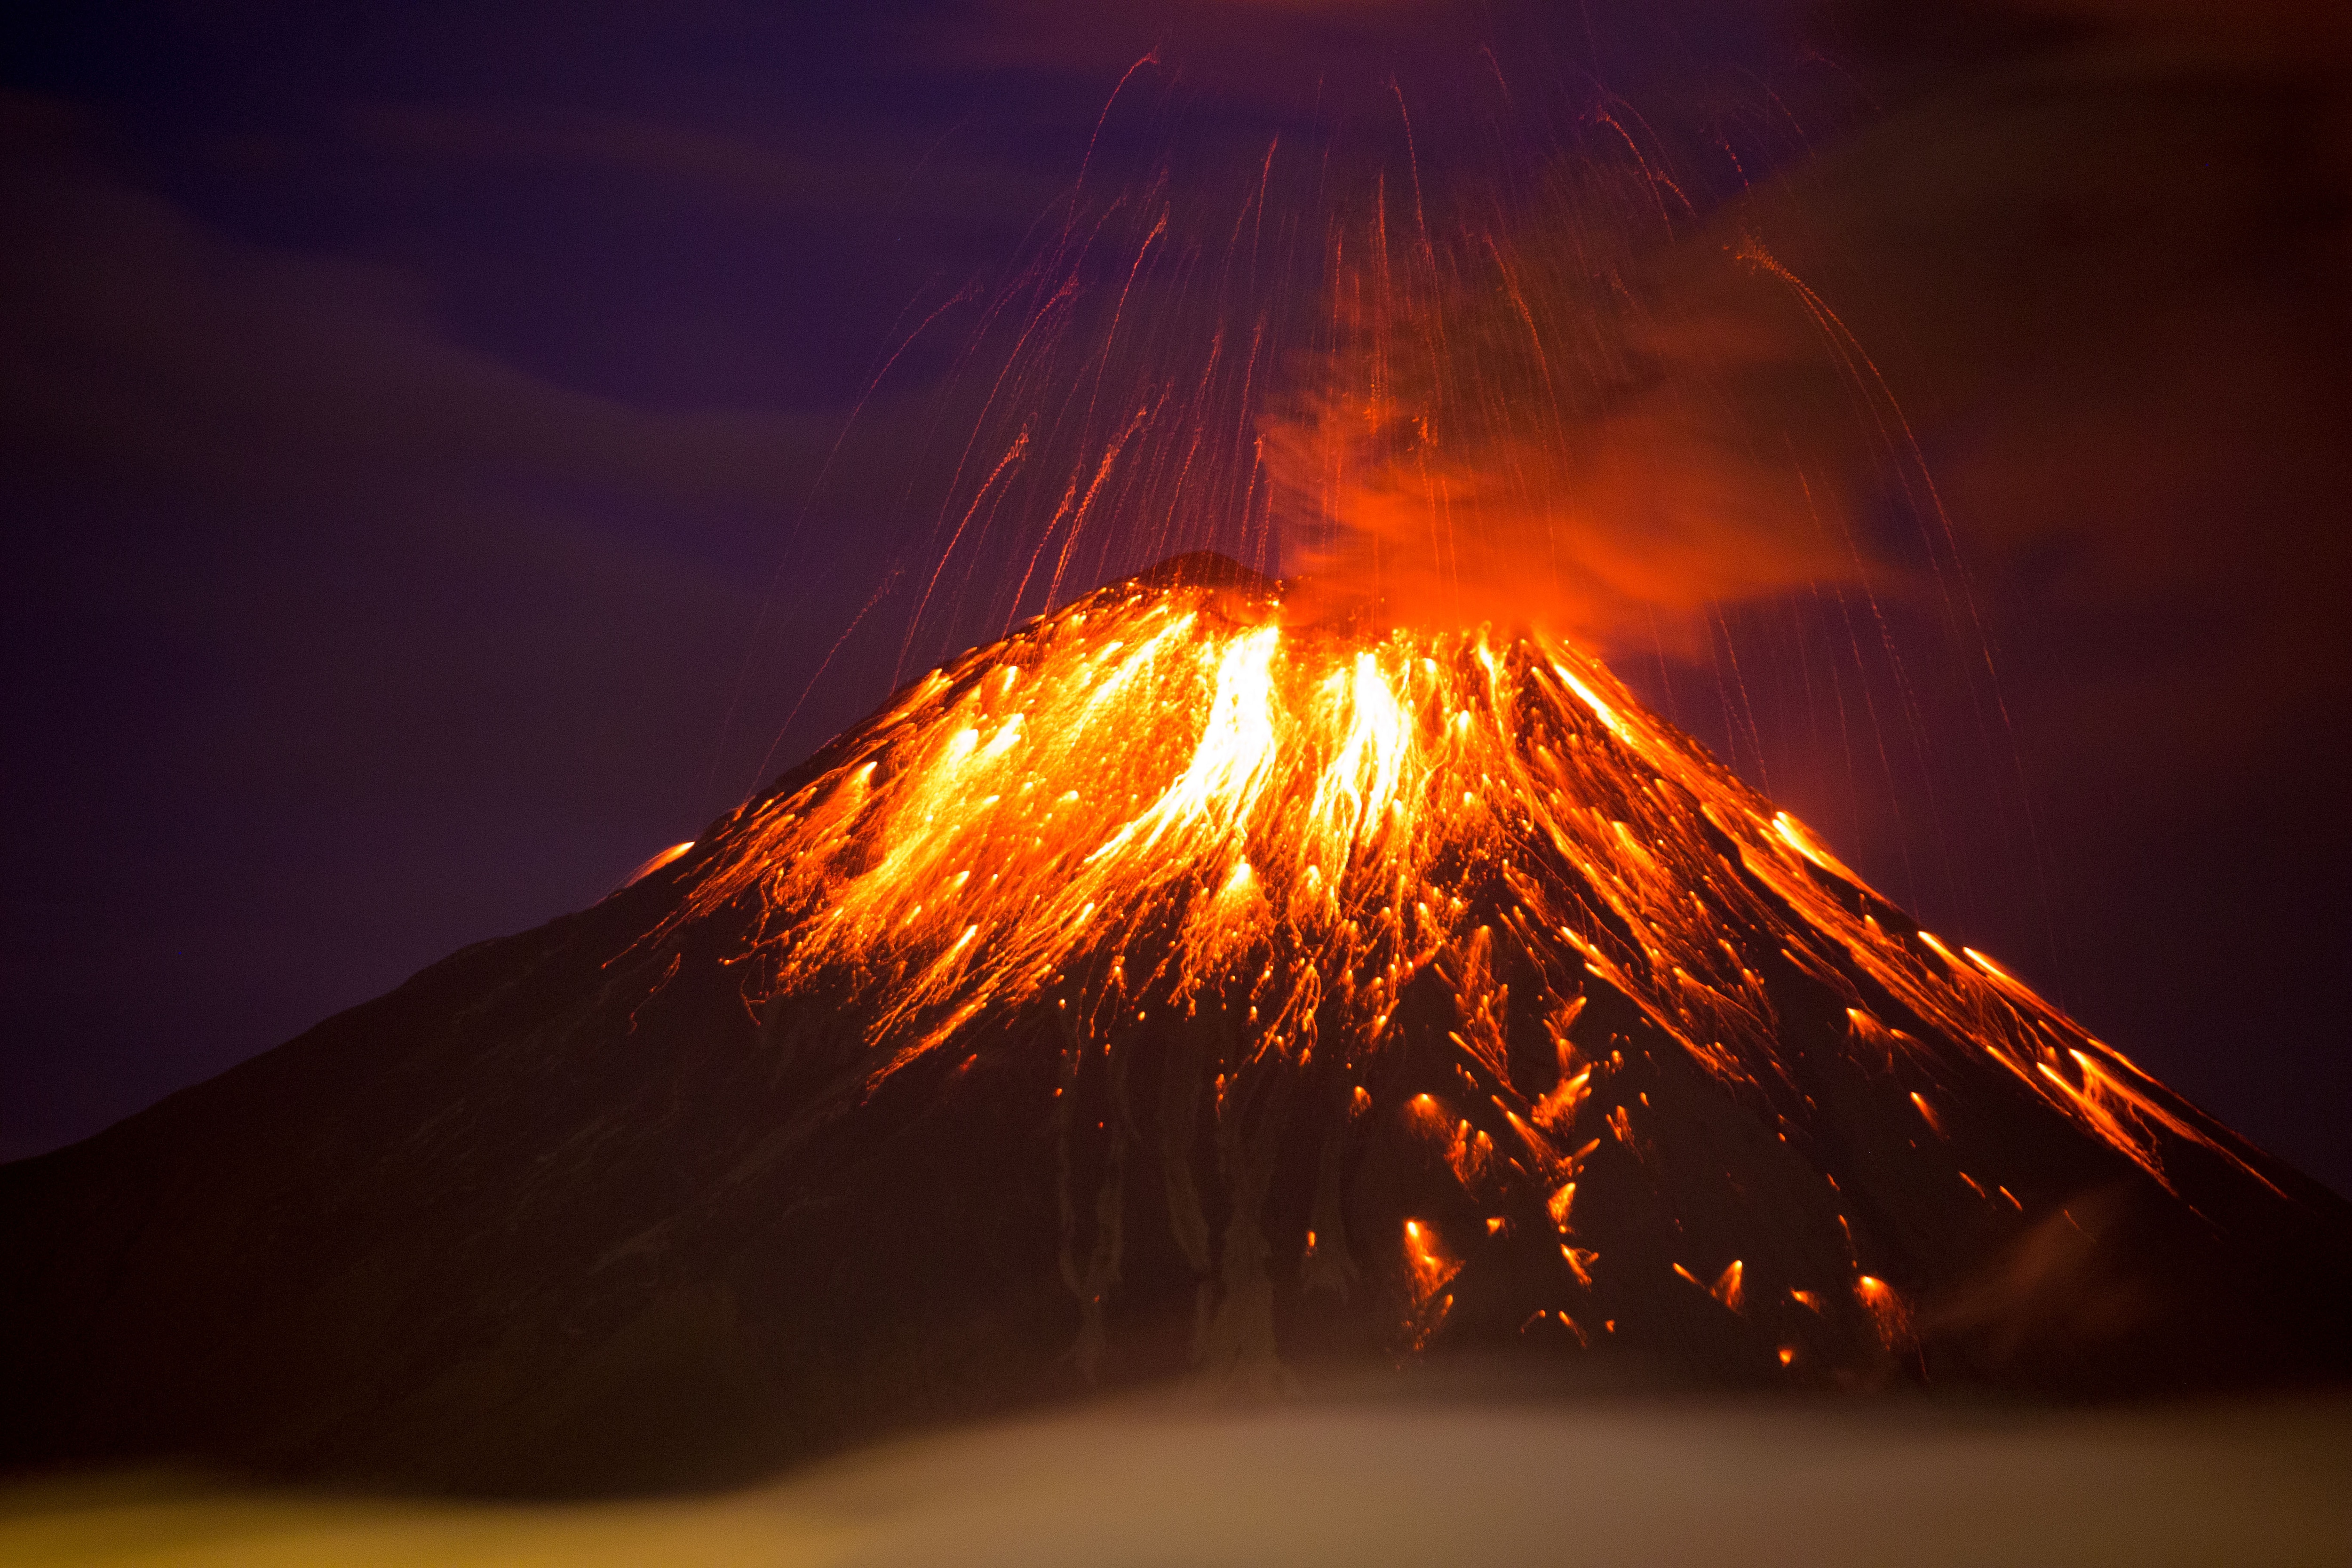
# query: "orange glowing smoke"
1563,417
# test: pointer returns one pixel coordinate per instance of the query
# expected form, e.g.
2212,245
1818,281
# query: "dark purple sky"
418,429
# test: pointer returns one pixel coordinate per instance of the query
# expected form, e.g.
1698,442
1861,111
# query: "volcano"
1172,991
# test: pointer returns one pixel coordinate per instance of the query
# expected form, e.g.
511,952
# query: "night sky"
451,451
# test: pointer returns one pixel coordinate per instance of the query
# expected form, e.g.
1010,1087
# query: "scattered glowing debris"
1887,1312
1470,1153
1426,1261
1726,1287
1928,1113
1557,1109
1427,1118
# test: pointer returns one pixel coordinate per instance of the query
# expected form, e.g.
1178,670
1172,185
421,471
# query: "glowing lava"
1182,987
1166,793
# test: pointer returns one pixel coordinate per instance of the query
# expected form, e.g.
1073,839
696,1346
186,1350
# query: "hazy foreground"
1358,1484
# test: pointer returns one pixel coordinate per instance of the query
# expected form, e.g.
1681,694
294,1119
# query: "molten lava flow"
1166,793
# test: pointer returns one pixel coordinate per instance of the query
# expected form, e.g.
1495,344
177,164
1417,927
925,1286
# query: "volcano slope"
1165,991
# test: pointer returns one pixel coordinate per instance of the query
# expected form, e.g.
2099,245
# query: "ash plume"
1580,428
1662,374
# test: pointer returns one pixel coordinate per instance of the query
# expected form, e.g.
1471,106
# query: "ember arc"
1175,988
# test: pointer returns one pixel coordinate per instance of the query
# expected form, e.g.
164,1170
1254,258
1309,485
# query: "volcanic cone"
1171,990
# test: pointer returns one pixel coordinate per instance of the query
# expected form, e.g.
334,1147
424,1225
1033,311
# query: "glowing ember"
655,863
1885,1308
1727,1288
